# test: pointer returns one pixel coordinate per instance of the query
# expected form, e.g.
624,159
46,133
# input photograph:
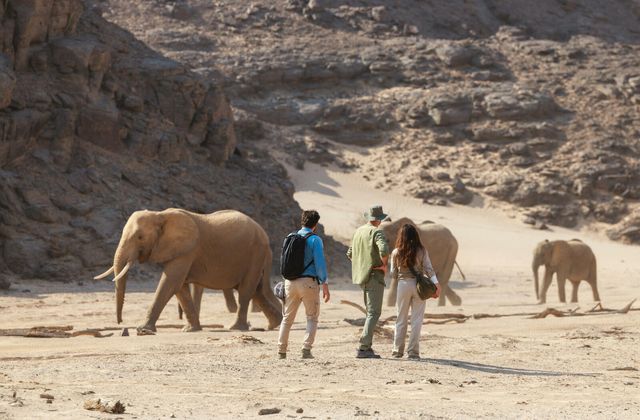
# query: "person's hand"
325,292
382,268
437,294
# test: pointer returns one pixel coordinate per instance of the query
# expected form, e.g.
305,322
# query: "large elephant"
442,247
223,250
572,260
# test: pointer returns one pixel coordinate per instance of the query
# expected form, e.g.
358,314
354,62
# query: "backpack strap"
310,262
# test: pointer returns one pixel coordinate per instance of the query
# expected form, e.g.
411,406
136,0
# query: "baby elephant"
570,260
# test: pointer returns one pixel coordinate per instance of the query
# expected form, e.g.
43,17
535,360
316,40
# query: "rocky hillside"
95,125
527,105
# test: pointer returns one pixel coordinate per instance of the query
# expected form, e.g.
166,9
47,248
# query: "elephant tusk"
123,272
105,274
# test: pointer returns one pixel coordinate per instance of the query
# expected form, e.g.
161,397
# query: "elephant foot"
541,302
274,324
191,328
146,330
241,326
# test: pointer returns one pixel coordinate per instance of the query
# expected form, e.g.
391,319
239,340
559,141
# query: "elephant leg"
562,280
451,295
593,282
255,306
393,292
246,291
243,308
196,292
273,316
190,309
574,291
173,276
180,311
230,300
548,274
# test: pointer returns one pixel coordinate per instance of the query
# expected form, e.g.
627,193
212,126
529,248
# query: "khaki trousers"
373,292
304,290
408,298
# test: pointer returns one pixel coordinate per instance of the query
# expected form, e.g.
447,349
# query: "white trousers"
408,299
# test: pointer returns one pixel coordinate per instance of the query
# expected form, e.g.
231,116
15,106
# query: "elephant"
442,247
572,260
222,250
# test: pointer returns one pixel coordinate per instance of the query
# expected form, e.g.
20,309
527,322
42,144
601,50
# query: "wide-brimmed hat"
375,213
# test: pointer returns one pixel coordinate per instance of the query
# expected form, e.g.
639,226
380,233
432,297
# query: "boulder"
520,104
456,55
99,123
449,109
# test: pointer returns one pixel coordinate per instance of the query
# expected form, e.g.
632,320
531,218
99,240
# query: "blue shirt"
314,251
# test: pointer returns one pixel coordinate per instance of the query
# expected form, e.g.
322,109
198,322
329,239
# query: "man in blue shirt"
305,289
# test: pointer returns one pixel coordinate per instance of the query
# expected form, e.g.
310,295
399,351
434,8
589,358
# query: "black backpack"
292,258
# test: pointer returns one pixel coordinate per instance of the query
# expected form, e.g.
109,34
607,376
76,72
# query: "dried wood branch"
355,305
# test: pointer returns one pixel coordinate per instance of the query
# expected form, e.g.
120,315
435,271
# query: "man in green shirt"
368,253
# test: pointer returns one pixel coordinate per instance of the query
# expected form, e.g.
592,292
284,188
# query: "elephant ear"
177,236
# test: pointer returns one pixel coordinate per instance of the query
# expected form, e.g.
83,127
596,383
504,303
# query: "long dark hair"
408,244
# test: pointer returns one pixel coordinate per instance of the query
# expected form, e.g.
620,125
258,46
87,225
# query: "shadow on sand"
500,369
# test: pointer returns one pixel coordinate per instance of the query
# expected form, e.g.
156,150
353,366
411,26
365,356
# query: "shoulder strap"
310,262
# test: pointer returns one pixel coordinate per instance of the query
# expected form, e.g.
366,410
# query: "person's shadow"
500,369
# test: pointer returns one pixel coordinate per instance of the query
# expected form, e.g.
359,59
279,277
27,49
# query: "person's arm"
321,267
393,267
383,249
318,259
428,267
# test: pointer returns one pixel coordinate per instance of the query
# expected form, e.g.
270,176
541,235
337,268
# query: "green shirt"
367,249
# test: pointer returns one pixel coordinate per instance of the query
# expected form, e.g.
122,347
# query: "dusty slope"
533,105
491,368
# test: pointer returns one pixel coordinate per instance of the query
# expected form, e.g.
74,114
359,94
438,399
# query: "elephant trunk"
120,262
535,267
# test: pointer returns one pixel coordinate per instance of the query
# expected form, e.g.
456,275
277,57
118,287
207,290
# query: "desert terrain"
511,367
509,122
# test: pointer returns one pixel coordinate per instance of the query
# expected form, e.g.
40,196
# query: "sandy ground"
578,367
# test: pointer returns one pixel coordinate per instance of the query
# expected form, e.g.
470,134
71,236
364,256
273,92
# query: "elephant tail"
464,278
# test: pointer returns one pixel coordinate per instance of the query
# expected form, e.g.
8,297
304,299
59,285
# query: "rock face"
534,104
95,125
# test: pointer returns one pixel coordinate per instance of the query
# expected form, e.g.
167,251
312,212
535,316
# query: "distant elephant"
572,260
222,250
442,247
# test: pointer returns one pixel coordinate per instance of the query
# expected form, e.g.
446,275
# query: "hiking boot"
282,355
367,354
396,354
413,357
306,354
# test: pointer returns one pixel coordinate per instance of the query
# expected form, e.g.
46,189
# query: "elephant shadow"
480,367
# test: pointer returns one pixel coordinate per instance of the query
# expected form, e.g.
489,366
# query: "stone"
521,104
100,124
378,13
41,213
456,55
447,109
